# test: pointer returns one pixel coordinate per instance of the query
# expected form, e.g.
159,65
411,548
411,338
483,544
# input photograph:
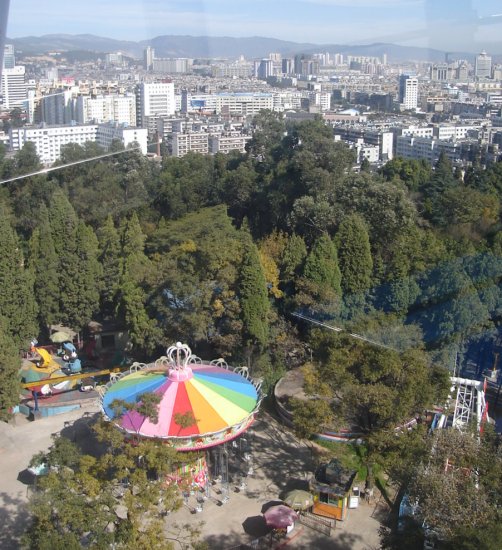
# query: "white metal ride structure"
470,405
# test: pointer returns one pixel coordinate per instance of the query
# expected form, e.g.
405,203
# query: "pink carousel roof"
221,402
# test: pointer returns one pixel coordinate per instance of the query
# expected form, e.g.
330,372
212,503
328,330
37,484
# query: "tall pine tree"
17,301
9,368
63,222
321,266
354,254
88,276
44,265
254,296
110,260
143,331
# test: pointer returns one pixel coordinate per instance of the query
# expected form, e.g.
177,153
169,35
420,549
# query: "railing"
322,525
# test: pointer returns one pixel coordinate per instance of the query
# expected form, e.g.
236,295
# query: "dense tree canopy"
220,250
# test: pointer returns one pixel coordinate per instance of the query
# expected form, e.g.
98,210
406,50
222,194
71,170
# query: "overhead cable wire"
338,329
68,164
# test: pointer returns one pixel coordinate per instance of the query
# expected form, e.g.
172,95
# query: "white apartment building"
364,151
422,148
408,91
13,89
154,99
483,65
225,143
232,70
107,108
245,103
321,100
285,101
445,132
107,133
418,131
49,140
178,65
183,143
384,141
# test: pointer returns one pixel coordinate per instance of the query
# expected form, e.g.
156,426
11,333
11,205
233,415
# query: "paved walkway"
19,441
279,463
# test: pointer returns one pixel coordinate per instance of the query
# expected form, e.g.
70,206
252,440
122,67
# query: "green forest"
220,252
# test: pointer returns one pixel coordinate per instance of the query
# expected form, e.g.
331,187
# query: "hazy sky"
447,24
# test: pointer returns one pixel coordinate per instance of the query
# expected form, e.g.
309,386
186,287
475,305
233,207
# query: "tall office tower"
462,71
148,57
14,90
408,91
483,66
275,57
154,99
384,59
266,68
9,60
4,13
301,61
287,66
439,72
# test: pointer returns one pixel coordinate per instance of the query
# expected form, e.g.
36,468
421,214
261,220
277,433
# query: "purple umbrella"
280,517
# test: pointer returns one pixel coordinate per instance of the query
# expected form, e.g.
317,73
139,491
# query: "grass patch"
350,455
353,456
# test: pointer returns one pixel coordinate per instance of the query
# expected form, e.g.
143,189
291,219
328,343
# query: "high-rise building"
483,65
57,108
154,99
439,72
109,108
9,59
148,57
287,66
408,91
338,59
4,12
114,58
462,71
266,68
13,89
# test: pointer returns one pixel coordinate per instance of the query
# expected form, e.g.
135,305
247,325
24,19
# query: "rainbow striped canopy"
222,403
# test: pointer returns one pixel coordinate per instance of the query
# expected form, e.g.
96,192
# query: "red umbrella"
280,517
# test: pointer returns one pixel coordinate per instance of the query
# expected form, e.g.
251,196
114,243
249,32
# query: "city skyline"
453,25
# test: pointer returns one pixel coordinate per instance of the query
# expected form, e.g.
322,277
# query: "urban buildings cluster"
177,105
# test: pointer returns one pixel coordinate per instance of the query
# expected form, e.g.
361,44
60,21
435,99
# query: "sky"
455,25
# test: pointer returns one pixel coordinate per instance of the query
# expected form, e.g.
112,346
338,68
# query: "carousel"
201,405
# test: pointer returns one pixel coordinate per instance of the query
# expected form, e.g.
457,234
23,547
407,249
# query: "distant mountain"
70,42
224,46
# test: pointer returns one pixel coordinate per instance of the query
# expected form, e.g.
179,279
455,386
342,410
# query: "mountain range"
220,47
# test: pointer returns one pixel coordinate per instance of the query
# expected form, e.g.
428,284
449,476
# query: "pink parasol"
280,517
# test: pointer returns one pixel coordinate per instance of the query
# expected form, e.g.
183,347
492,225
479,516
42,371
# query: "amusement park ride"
49,376
201,407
